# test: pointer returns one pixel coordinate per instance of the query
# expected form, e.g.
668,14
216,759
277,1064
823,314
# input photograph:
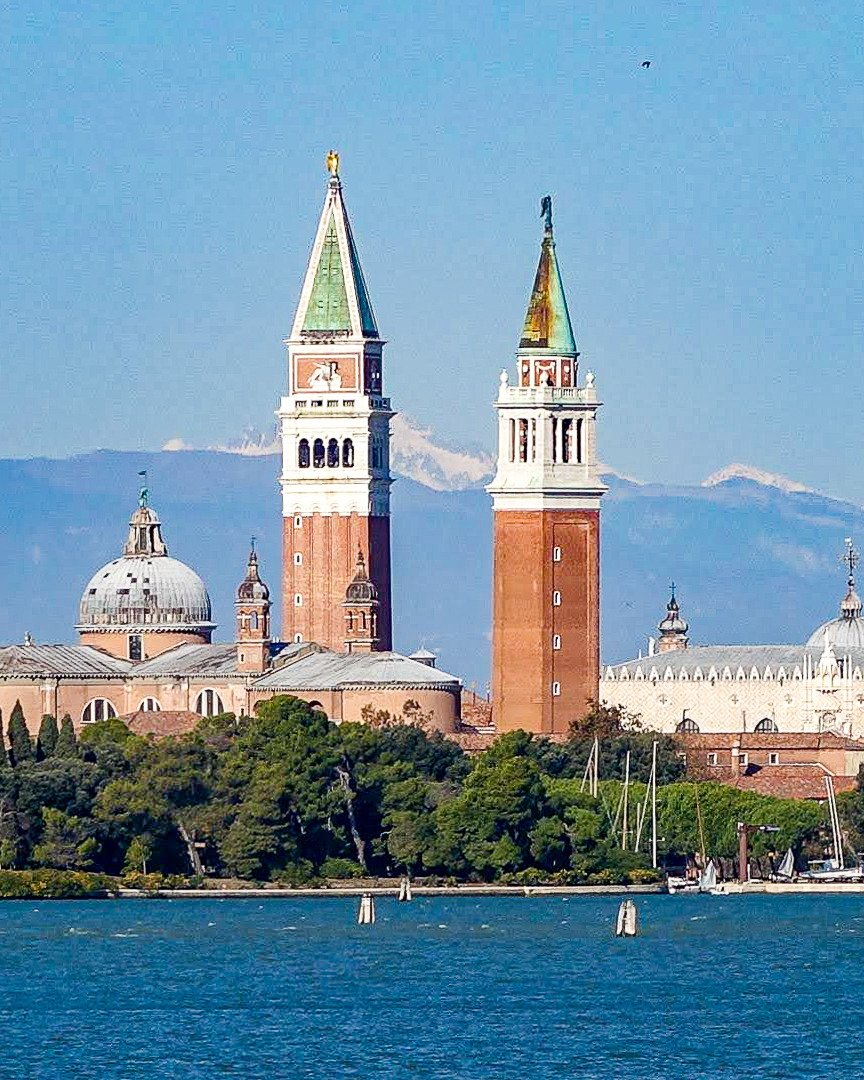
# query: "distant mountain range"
754,557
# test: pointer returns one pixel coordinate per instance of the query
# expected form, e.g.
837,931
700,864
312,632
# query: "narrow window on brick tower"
348,454
556,641
566,440
318,454
303,454
333,454
556,689
556,599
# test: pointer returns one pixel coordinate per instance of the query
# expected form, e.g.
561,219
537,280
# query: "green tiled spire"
328,302
367,317
547,324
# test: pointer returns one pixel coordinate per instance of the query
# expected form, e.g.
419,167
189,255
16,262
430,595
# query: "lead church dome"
145,589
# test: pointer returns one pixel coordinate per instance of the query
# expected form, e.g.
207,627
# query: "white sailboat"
787,867
834,869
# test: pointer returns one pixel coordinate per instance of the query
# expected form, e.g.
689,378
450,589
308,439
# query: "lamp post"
744,832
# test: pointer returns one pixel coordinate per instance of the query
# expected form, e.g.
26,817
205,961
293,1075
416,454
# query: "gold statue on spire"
333,163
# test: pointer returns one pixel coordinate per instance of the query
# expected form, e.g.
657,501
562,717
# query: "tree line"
288,796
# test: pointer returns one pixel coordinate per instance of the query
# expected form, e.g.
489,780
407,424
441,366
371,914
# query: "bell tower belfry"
546,501
335,431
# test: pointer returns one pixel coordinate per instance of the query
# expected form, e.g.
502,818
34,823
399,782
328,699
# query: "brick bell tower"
546,501
335,429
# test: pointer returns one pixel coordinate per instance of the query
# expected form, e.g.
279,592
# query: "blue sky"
161,174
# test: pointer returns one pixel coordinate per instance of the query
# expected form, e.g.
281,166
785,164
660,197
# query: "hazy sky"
161,175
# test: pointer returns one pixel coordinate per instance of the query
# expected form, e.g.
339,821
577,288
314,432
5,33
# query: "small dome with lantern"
361,589
847,632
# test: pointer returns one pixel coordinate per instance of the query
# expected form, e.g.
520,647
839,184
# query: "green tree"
605,721
68,843
46,740
8,853
137,854
20,743
66,745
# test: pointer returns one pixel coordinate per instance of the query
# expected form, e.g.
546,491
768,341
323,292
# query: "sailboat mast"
626,801
654,805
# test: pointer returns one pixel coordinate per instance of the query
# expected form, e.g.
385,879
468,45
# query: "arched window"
687,727
523,440
332,454
766,724
318,454
98,709
303,454
208,703
348,454
566,441
149,704
253,621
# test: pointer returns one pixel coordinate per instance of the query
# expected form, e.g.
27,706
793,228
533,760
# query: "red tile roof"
161,724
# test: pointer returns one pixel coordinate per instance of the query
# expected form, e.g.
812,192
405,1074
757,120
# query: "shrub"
339,869
298,874
53,885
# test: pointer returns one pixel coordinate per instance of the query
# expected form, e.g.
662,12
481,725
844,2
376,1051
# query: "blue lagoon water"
514,987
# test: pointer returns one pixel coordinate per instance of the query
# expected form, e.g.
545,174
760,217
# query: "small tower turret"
673,629
361,611
252,606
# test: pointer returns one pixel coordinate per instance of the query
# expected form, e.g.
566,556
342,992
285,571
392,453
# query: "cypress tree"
47,739
66,745
20,744
4,755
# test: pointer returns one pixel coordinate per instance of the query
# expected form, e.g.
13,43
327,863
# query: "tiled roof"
191,659
734,657
37,661
161,724
337,671
789,781
755,740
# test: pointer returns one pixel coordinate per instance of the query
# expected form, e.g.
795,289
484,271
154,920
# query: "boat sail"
708,878
787,865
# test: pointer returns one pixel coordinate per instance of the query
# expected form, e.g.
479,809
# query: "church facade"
144,650
815,687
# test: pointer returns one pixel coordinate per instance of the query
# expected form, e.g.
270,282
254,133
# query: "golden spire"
333,162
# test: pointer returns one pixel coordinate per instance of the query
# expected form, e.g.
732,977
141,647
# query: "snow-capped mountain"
737,471
414,452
